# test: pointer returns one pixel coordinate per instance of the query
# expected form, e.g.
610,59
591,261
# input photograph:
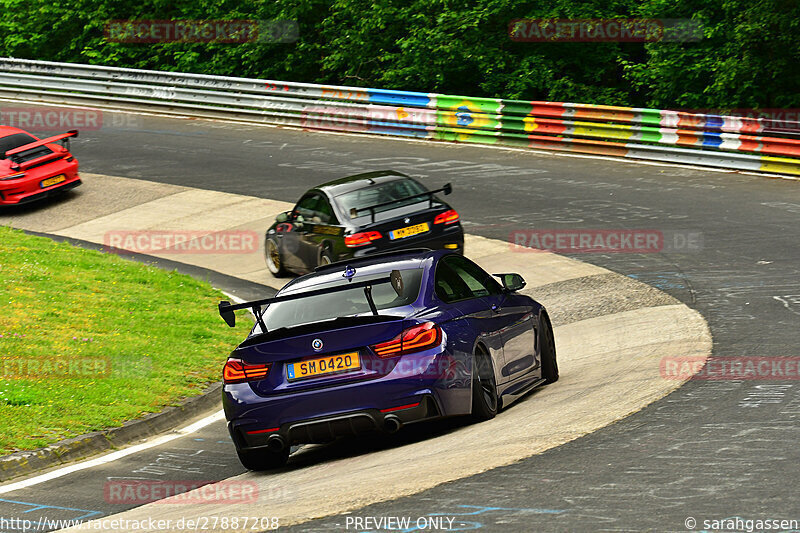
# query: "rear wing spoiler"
226,309
447,189
31,146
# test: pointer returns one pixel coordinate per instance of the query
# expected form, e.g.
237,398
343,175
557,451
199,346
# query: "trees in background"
746,58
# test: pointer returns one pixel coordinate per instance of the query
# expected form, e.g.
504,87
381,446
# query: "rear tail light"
413,339
13,176
237,371
362,238
448,217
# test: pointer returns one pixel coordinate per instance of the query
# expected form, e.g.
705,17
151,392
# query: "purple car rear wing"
226,309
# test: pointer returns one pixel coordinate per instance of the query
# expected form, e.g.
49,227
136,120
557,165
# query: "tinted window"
307,206
344,303
315,208
325,212
379,193
458,278
449,286
21,139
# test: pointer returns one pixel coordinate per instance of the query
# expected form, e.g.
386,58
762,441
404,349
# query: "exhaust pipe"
276,443
392,424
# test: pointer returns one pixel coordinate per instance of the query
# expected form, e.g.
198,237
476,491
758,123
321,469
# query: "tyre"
272,254
484,387
548,351
259,460
325,258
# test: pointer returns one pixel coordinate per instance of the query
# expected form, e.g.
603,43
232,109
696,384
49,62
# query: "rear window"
347,302
15,141
400,190
21,139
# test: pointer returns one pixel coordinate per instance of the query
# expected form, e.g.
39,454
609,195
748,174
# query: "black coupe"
359,215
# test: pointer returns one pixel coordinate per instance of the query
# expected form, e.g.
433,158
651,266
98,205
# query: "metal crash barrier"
729,142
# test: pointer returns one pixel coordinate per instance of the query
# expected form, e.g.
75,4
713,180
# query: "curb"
68,450
28,462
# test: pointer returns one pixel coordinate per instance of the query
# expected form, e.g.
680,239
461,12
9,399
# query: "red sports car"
32,168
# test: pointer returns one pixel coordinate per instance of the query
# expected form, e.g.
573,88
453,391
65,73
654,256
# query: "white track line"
113,456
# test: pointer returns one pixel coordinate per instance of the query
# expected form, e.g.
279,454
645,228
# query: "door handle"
495,308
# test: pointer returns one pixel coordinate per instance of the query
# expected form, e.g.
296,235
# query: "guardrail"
712,140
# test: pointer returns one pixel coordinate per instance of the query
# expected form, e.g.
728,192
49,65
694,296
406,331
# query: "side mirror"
511,282
447,189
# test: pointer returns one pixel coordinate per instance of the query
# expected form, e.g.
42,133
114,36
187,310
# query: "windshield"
347,302
390,191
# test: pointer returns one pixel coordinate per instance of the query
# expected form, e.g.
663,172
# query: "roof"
359,181
5,131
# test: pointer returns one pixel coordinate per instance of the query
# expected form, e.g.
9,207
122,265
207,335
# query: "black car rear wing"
447,189
226,309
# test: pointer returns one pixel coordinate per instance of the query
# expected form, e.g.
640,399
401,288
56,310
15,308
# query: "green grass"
146,339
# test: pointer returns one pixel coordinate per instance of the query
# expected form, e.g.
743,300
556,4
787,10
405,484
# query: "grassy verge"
89,340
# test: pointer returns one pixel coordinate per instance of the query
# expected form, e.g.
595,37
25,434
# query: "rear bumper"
432,385
452,238
41,195
29,189
325,429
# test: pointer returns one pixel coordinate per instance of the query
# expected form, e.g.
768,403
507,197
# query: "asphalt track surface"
710,450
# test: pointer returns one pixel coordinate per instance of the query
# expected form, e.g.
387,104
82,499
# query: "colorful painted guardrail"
676,136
